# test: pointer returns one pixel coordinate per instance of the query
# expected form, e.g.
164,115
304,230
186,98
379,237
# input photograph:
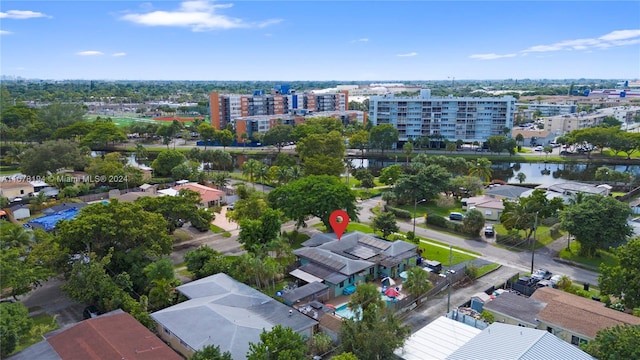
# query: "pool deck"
343,299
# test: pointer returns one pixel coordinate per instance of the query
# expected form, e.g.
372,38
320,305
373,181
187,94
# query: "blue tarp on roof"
49,222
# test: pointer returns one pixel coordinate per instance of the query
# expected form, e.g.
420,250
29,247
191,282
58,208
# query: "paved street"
543,258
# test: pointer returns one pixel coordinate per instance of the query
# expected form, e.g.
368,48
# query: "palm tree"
262,174
417,283
520,139
564,282
250,168
407,149
15,236
521,177
220,180
482,169
141,152
283,175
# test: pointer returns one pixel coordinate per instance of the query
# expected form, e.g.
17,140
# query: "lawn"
215,229
363,228
432,208
542,235
431,251
602,256
42,324
484,269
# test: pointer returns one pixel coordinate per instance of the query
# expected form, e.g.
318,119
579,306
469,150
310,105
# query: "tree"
621,279
497,143
199,261
386,223
617,342
137,236
407,149
110,170
162,283
345,356
390,174
255,235
417,282
225,138
279,343
211,352
482,169
322,154
279,136
314,195
383,137
166,161
360,141
547,149
207,132
564,282
521,177
250,168
597,223
520,139
422,182
378,333
465,186
450,146
51,156
102,133
473,222
14,323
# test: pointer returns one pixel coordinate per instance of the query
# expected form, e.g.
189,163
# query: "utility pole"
533,243
449,280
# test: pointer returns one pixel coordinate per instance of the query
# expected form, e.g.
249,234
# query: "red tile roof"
111,336
206,193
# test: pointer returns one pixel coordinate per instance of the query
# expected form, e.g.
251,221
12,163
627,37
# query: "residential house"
20,212
503,341
572,318
567,190
490,207
38,185
12,189
355,258
510,192
209,197
226,313
133,196
576,319
437,340
115,335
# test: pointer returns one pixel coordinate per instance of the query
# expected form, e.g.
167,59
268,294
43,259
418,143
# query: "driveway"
49,299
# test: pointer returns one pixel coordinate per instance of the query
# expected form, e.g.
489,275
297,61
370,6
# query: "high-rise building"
225,108
467,118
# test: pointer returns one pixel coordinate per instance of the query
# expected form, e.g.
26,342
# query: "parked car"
544,283
489,231
231,206
434,266
456,216
538,148
541,274
555,279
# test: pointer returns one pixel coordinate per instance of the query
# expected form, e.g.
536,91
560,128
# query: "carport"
311,291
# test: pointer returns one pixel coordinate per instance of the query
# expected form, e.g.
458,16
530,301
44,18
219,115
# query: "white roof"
38,183
437,340
305,276
168,192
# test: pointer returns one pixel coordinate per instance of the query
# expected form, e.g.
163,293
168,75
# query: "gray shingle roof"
517,307
502,341
227,313
507,191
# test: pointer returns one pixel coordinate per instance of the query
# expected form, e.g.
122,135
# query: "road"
543,258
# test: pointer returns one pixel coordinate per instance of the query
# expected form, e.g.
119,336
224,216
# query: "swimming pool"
345,312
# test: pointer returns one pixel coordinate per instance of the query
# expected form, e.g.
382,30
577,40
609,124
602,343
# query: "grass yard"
432,208
483,270
216,229
363,228
180,235
431,251
543,235
42,324
602,257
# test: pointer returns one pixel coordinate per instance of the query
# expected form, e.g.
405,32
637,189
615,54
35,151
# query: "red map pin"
339,220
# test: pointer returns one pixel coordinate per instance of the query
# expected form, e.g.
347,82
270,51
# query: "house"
567,190
510,308
209,197
503,341
64,206
148,188
572,318
12,189
38,185
226,313
312,291
576,319
490,207
115,335
510,192
20,212
147,172
437,340
133,196
355,258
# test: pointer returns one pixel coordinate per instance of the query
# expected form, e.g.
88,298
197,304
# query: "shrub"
554,230
487,316
399,213
437,220
445,201
471,271
550,221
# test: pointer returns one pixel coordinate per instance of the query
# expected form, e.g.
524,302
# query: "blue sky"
319,40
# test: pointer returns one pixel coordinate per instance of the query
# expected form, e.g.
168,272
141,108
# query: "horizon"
319,40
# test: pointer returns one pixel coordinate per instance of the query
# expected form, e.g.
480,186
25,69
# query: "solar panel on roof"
324,260
378,244
361,252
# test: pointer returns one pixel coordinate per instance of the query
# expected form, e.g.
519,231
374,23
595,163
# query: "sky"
320,40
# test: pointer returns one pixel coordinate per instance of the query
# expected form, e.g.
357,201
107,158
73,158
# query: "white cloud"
5,32
491,56
360,40
21,14
90,53
199,15
119,54
408,54
612,39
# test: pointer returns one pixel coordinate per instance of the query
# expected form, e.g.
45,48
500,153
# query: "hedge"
399,213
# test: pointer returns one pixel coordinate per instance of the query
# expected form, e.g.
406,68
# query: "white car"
538,148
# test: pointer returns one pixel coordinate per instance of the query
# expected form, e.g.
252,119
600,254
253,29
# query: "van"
456,216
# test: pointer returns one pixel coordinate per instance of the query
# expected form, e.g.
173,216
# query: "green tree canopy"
316,196
473,222
422,182
279,136
615,343
386,223
383,137
14,323
623,279
280,343
597,223
210,352
417,282
51,156
166,161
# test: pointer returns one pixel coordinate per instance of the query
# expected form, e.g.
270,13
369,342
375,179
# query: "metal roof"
437,340
305,276
503,341
311,289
